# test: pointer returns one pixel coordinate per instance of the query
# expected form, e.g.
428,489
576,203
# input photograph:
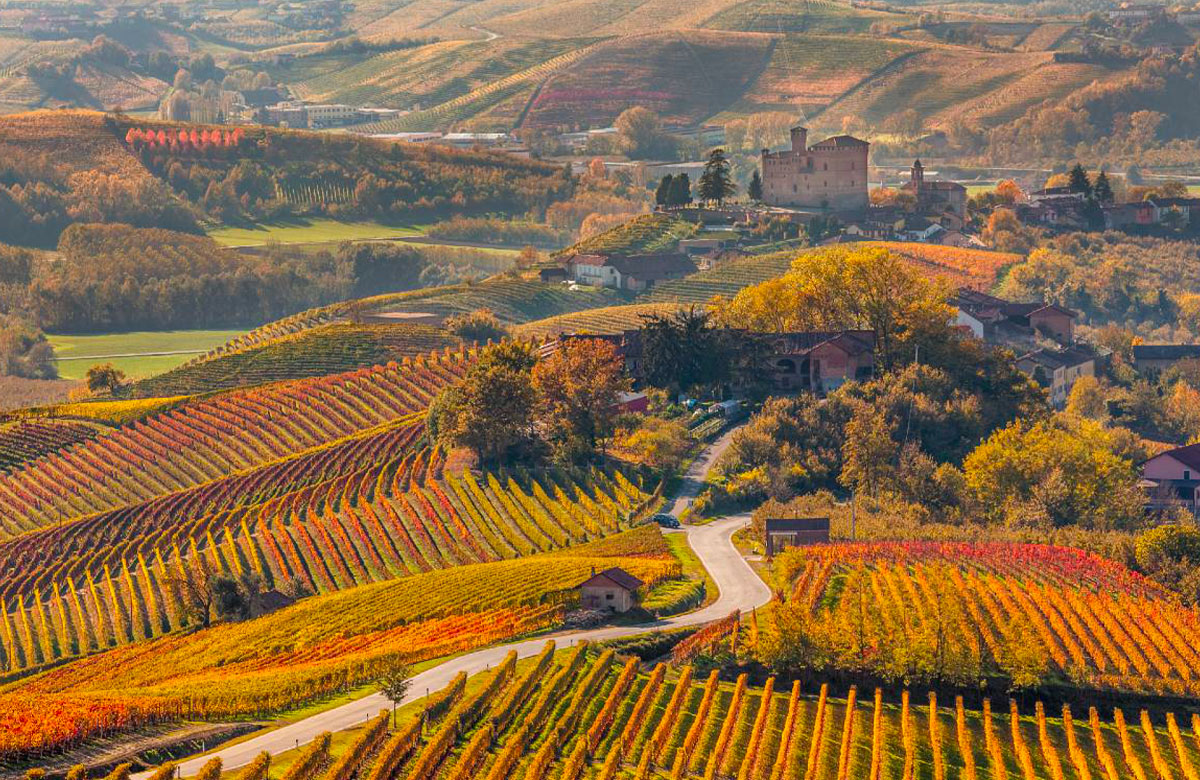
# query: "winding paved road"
740,588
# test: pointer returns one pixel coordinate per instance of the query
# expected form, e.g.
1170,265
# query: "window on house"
1187,474
608,597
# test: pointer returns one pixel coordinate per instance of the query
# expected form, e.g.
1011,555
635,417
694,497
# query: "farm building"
628,272
821,362
614,589
999,321
1172,479
1155,358
784,532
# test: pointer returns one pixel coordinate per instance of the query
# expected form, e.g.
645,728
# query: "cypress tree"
681,191
1079,180
755,188
662,195
716,183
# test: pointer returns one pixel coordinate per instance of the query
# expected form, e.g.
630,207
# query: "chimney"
799,139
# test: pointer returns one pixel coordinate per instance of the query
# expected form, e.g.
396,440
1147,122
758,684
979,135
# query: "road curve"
740,588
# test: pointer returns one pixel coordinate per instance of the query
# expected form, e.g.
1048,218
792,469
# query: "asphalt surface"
739,589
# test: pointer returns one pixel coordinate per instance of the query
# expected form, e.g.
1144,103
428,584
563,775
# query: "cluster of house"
505,141
317,116
815,362
1140,13
1060,208
1041,334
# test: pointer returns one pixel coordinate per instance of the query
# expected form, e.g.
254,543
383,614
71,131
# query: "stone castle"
829,175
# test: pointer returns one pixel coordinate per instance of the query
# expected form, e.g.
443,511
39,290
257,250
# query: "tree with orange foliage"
1008,191
578,388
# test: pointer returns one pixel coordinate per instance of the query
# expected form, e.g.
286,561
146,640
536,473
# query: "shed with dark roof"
784,532
1152,358
613,589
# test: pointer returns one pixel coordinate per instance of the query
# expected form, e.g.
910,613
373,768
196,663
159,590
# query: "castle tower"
917,176
799,139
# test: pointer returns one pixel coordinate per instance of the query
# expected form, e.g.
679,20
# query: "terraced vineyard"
577,713
431,75
26,440
212,438
322,349
725,280
821,16
646,233
445,113
811,71
320,646
685,76
610,319
1096,624
941,81
366,510
512,300
978,268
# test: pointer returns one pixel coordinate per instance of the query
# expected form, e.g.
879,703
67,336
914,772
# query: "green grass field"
76,354
310,231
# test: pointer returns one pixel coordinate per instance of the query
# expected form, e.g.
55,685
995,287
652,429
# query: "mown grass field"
129,352
309,231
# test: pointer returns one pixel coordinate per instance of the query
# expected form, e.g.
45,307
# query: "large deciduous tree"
578,388
640,133
491,410
1054,472
847,288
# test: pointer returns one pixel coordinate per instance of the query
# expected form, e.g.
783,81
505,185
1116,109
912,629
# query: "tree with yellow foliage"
866,288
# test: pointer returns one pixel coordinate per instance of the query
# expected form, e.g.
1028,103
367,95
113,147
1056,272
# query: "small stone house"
614,589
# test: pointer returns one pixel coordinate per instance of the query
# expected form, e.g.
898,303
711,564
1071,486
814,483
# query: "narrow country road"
740,588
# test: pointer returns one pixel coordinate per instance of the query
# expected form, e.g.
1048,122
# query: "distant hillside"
684,76
111,168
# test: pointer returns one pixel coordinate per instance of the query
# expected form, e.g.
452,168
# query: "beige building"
613,589
831,174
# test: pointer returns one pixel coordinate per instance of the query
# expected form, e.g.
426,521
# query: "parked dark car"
665,520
